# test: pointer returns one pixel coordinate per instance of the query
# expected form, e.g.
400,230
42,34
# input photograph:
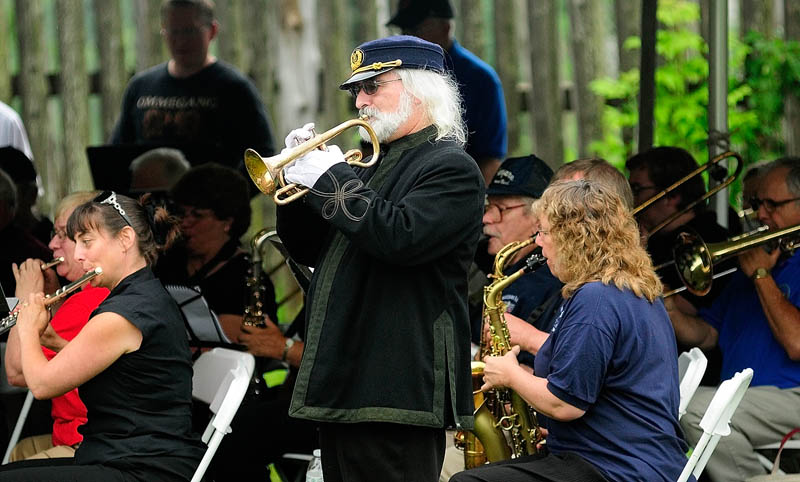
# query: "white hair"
441,100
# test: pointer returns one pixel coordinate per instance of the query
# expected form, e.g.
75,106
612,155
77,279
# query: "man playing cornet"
386,361
756,323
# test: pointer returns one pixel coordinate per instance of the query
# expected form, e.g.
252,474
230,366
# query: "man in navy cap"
386,365
481,90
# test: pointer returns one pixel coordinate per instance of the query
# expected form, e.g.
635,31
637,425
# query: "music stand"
202,324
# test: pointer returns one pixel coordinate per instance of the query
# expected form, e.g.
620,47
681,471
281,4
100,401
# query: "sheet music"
201,321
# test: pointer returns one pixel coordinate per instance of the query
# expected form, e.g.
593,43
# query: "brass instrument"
9,321
500,411
267,172
695,259
705,167
253,311
50,264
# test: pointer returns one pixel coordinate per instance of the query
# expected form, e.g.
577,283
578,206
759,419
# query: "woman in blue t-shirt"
131,360
605,382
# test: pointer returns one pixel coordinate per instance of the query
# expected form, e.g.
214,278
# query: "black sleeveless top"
139,408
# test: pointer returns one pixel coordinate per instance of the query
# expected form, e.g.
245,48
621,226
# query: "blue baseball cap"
521,176
399,51
411,12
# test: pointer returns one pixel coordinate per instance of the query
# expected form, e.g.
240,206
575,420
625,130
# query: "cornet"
267,172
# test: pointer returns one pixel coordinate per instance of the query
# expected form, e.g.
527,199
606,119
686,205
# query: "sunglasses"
368,86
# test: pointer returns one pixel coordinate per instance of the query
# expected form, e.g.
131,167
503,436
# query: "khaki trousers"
39,447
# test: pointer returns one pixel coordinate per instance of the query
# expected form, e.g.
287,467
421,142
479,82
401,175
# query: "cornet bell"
259,173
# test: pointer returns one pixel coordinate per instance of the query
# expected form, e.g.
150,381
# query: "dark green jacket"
387,331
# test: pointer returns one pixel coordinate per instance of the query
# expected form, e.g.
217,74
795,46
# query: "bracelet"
289,343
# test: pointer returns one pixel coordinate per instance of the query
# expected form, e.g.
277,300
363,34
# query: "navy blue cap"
411,12
399,51
521,176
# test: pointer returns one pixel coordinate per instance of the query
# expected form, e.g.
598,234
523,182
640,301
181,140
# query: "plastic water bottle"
314,472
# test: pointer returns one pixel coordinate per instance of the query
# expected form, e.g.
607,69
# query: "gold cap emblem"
356,58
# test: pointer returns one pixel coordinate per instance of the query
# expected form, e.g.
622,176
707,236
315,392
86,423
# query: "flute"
9,321
55,261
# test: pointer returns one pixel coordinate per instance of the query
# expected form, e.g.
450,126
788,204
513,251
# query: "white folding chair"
716,421
785,444
691,368
6,389
221,377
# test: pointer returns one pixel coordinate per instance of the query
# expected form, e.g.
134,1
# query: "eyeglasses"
196,213
58,233
497,211
769,204
182,32
637,188
542,233
369,86
110,197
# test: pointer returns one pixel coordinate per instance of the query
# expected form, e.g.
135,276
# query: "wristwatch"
759,273
289,343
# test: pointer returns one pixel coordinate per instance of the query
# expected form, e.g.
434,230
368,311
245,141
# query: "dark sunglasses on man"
370,86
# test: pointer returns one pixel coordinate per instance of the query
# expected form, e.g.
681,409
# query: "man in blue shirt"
479,85
756,323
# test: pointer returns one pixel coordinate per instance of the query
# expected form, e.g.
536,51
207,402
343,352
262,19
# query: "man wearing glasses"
756,323
386,365
507,218
194,99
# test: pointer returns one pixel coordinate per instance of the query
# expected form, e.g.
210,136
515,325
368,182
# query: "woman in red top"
68,411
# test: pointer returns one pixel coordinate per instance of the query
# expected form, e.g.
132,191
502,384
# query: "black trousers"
541,467
388,452
60,470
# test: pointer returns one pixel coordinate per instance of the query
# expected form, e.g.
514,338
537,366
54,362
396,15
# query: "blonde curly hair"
596,239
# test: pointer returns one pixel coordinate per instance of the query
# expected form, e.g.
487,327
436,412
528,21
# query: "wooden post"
150,48
336,47
5,61
546,113
507,51
74,98
33,87
113,78
472,29
791,19
587,53
366,22
228,45
629,23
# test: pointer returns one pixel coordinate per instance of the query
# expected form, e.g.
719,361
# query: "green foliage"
761,73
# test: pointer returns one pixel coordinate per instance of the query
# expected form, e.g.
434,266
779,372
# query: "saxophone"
254,309
505,425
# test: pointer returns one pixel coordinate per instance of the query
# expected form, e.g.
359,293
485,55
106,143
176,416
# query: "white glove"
309,168
298,136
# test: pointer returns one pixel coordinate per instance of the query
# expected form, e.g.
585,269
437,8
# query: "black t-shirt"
139,408
217,107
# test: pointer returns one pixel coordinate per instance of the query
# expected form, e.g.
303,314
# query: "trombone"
267,172
695,259
705,167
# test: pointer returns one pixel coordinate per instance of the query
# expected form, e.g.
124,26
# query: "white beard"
385,124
